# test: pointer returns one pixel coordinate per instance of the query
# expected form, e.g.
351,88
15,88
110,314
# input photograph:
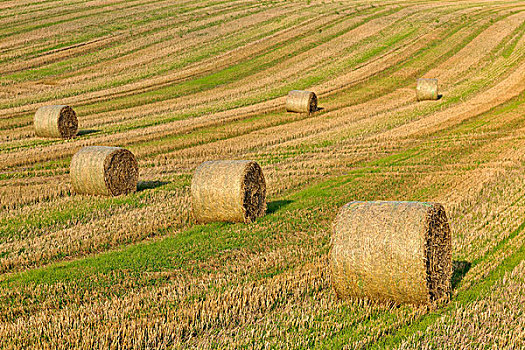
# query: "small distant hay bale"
56,121
427,89
391,251
102,170
228,191
301,101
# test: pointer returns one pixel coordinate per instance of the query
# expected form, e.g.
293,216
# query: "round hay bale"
391,251
102,170
229,191
301,101
56,121
427,89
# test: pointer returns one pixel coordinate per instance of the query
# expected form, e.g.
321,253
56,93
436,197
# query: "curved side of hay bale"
102,170
56,121
301,101
228,191
391,251
427,89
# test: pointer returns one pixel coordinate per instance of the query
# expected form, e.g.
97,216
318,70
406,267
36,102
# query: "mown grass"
86,59
299,218
146,16
80,210
224,76
381,81
201,242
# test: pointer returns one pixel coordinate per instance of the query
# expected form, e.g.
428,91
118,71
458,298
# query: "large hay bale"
102,170
396,251
427,89
228,190
56,121
301,101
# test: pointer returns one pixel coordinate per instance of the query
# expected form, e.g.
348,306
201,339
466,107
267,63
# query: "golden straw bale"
229,191
301,101
102,170
427,89
56,121
391,251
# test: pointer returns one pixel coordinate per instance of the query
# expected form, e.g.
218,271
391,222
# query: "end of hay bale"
58,121
438,252
228,191
103,170
391,251
301,101
427,89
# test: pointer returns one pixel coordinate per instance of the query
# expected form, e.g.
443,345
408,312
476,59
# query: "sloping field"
181,82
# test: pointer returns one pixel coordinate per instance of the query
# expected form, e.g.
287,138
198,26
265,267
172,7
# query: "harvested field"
181,83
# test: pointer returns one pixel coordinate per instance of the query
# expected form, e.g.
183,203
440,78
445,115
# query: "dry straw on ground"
427,89
56,121
301,101
391,251
102,170
228,190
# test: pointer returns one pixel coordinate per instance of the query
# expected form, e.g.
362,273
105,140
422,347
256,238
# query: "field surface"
181,82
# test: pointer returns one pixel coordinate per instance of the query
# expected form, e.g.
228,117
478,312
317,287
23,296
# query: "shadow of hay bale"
147,185
274,206
459,270
87,132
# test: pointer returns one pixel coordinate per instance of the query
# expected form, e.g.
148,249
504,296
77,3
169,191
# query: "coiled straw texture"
391,251
56,121
301,101
427,89
102,170
228,191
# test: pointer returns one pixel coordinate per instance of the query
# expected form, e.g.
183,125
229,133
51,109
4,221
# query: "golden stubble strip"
128,60
16,192
167,210
183,284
